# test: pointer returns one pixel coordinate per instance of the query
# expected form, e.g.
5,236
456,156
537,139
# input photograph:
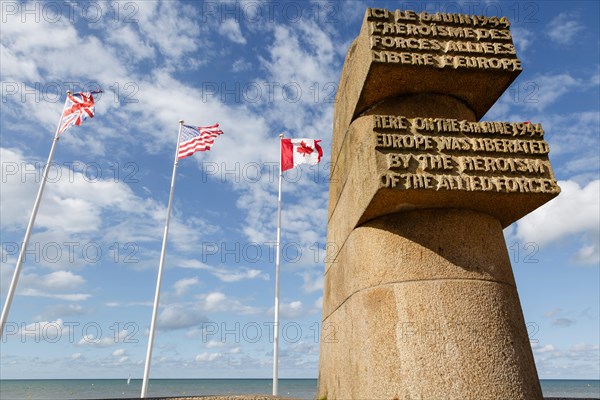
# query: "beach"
220,389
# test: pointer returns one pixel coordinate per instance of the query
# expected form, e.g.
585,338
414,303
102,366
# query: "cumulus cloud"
182,285
211,344
219,302
96,339
522,38
174,317
295,309
313,281
241,65
56,285
228,275
544,349
231,29
119,352
544,90
564,322
207,357
564,28
574,212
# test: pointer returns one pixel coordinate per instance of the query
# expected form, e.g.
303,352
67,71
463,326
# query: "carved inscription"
448,154
441,40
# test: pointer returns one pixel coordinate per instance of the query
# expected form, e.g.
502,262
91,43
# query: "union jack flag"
79,106
195,139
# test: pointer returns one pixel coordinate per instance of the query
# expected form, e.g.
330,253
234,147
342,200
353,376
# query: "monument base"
423,305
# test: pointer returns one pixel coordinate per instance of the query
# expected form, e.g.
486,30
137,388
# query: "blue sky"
83,304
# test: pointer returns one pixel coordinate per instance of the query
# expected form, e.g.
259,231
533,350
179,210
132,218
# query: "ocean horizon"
61,389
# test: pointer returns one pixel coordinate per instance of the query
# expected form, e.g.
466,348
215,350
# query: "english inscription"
448,154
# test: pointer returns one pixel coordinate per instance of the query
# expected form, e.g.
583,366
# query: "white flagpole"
36,205
277,263
160,271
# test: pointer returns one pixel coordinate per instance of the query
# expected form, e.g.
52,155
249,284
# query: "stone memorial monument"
420,301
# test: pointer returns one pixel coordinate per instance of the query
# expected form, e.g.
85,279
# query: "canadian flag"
299,151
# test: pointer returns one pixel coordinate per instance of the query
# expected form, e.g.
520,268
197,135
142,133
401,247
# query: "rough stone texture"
410,106
365,81
355,194
415,246
420,301
412,315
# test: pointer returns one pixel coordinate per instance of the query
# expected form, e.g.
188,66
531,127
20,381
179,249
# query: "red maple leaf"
304,149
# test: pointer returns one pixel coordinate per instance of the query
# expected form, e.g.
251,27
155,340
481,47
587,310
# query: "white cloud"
547,89
78,209
62,311
204,357
211,344
55,49
130,42
53,282
236,276
219,302
97,340
552,313
545,349
291,310
73,202
295,309
231,29
47,330
522,38
214,301
574,212
67,297
52,285
584,347
15,69
119,352
576,134
62,280
313,281
227,275
182,285
173,29
564,28
319,303
564,322
240,65
178,317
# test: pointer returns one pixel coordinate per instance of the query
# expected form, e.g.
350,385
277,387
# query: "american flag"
79,107
195,139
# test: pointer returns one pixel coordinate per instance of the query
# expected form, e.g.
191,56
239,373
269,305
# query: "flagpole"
277,264
36,205
160,271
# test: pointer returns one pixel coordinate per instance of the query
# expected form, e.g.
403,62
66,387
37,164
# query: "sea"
61,389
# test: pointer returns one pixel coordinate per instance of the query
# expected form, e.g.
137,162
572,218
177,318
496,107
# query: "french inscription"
441,40
458,19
